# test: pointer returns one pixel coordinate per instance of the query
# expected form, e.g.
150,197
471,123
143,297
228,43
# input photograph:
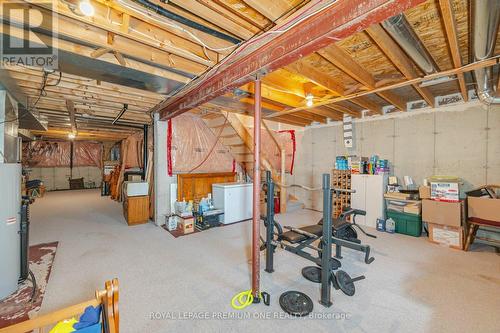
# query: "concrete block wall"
57,178
458,140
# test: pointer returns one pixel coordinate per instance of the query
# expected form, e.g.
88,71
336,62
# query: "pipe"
145,152
200,27
401,31
256,192
120,114
485,17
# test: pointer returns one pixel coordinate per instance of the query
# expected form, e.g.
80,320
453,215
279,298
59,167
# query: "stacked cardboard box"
445,221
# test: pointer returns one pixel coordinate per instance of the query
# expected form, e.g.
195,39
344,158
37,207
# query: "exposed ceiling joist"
397,56
451,33
338,20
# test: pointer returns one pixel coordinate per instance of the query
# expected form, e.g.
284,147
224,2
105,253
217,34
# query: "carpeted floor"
26,302
413,285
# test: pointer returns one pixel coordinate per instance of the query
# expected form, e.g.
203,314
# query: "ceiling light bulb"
309,99
86,8
71,135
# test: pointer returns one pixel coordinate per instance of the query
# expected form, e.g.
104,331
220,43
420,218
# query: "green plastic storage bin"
407,224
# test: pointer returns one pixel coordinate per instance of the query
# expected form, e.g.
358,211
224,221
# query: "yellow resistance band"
242,300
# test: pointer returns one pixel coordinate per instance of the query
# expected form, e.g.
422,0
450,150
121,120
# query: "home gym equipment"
296,240
296,303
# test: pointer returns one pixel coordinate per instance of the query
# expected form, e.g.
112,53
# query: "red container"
276,205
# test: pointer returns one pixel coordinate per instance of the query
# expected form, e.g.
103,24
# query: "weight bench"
294,236
298,240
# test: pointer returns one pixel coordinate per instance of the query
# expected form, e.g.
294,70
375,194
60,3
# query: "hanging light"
86,8
309,100
71,135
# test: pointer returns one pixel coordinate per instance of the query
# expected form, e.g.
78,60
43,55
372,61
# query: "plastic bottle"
390,225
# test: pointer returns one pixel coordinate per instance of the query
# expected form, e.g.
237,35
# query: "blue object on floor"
96,328
89,317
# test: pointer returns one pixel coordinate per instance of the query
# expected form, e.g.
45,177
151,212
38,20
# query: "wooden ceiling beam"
341,59
367,104
310,34
273,10
85,87
451,33
82,97
87,51
397,56
98,37
244,31
120,24
319,78
345,110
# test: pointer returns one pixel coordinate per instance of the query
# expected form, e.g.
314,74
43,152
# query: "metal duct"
402,32
485,17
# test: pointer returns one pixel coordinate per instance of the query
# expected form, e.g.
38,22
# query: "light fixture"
71,135
309,100
86,8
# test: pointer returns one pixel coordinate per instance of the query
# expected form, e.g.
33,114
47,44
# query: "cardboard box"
444,213
445,191
447,236
424,192
484,208
186,225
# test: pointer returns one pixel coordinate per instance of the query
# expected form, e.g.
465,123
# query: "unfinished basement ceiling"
143,52
371,59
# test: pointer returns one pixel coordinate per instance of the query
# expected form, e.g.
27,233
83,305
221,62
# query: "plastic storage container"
407,224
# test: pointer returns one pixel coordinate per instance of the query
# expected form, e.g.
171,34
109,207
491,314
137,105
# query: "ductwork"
401,31
485,17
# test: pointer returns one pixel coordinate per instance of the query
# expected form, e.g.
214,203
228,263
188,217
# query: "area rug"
18,307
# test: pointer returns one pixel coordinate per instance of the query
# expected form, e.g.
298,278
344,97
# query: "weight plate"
296,303
345,283
312,273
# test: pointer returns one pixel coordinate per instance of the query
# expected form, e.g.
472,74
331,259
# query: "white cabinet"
235,199
369,196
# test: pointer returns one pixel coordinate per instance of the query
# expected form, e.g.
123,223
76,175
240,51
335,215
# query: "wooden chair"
107,298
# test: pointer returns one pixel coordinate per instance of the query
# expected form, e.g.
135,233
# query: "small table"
474,224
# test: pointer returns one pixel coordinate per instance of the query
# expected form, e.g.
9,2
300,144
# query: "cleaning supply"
380,224
390,225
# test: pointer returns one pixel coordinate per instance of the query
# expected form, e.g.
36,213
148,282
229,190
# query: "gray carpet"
413,285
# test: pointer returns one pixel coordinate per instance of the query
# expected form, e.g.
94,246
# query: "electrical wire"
289,25
176,26
41,94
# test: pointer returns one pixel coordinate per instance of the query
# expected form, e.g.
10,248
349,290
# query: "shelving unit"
341,179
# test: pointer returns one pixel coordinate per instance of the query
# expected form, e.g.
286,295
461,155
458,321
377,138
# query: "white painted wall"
162,181
461,140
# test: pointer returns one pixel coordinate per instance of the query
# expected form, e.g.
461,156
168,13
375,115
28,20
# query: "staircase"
237,138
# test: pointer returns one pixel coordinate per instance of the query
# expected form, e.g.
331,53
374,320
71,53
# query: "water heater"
10,218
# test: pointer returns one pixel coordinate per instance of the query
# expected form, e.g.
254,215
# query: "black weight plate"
296,303
345,283
333,278
334,263
312,273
